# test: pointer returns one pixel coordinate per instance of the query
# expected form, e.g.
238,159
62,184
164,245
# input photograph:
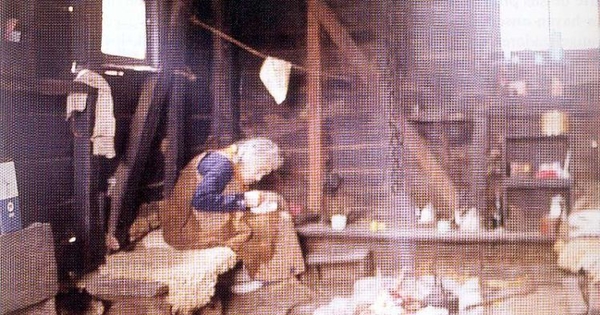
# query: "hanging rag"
275,75
105,126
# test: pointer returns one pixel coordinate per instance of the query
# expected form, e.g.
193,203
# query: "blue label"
10,215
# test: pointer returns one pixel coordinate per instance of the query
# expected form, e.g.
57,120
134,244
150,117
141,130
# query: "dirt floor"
513,282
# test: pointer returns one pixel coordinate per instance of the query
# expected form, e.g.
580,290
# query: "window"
124,28
549,25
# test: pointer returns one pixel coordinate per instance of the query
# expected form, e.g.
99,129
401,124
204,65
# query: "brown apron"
252,237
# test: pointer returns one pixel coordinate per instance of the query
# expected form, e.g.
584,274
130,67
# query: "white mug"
338,222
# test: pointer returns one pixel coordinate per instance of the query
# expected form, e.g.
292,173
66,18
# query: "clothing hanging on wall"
105,125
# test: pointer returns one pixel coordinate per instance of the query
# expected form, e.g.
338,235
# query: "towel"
275,75
105,125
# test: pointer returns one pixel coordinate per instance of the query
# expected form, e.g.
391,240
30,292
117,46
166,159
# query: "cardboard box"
10,213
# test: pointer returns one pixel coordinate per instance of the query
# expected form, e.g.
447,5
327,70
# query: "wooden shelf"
437,119
536,183
530,137
361,231
131,67
338,254
50,87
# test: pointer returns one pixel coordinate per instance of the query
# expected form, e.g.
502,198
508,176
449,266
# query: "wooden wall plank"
221,85
439,181
44,185
18,57
174,64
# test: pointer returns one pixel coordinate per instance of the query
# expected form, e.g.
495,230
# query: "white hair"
261,154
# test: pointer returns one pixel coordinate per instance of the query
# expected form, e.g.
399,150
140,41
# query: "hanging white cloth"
275,75
105,126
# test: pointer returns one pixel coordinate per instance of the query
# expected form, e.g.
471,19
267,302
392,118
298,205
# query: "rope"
251,50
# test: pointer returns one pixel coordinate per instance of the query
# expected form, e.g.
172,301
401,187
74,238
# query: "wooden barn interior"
439,156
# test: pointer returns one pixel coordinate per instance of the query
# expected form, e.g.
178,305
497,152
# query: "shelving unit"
531,85
527,194
534,183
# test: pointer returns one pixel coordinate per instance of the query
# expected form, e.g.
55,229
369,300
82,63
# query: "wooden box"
27,267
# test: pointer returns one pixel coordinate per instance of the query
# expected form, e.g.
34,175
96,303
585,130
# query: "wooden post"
220,87
175,123
175,67
315,177
86,198
89,223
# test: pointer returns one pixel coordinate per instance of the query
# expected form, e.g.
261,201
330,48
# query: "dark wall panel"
53,27
38,139
44,185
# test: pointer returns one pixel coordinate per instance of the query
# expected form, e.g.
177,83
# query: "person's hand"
269,202
253,198
265,207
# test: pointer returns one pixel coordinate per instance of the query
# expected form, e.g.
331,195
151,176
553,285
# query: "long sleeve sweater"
217,172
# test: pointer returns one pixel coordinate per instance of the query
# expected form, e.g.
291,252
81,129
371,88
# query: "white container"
338,222
554,123
443,226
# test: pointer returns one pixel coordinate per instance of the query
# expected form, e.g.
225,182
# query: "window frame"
152,59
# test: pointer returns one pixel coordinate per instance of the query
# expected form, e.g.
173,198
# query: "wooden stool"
340,263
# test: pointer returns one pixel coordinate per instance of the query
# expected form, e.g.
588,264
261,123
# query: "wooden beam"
315,177
444,191
89,221
143,128
343,40
51,87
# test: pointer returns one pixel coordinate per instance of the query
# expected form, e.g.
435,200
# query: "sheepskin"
581,254
191,275
579,249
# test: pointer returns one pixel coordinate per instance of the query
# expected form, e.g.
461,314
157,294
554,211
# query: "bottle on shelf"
497,217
